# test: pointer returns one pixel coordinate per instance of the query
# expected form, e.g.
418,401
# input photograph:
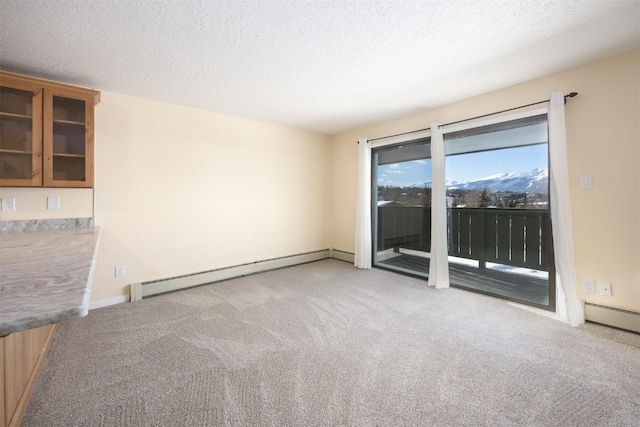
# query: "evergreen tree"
485,200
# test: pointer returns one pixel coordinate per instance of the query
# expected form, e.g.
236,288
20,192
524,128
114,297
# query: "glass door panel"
402,207
68,147
68,139
498,211
18,152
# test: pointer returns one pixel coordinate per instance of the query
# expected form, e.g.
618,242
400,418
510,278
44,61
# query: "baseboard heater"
611,316
147,289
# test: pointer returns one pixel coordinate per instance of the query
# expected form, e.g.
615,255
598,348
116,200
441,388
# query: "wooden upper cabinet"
46,133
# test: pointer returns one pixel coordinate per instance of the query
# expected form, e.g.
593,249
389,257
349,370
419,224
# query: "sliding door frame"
415,137
552,279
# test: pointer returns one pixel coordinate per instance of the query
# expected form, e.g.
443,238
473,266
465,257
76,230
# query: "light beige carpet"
327,344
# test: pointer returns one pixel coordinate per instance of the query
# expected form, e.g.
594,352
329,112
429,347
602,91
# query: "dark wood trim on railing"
516,237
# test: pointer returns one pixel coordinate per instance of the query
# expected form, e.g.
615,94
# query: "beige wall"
181,190
603,137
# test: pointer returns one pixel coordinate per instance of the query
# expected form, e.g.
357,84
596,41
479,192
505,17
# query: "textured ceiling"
325,66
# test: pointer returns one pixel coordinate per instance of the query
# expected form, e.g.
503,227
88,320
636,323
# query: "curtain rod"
571,95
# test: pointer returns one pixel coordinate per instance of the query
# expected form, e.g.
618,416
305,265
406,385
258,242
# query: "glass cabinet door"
20,134
68,147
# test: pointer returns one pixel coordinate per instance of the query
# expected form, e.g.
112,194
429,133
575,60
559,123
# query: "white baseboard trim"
612,316
342,255
107,302
142,290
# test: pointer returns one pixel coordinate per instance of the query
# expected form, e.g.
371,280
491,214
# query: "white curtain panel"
568,303
439,264
362,258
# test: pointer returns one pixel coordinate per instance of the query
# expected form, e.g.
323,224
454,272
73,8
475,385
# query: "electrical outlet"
605,289
8,204
586,182
53,203
589,286
120,271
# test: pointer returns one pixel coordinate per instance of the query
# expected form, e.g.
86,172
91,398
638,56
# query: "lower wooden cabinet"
22,355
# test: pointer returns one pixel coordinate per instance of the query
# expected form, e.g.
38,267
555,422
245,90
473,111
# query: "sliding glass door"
401,200
498,224
498,214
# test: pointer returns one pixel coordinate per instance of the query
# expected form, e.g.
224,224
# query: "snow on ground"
468,262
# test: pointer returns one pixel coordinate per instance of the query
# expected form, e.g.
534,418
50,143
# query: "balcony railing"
515,237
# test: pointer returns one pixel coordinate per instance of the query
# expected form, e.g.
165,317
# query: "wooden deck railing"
516,237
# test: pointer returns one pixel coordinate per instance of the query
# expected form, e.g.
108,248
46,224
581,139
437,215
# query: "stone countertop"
45,276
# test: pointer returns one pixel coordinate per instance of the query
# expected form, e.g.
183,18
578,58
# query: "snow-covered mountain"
533,181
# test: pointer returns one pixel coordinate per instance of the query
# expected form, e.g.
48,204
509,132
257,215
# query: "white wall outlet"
8,204
120,271
605,289
589,286
586,182
53,203
313,241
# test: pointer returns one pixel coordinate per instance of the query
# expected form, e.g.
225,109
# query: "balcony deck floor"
510,285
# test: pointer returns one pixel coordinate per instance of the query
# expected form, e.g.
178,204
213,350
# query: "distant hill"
533,181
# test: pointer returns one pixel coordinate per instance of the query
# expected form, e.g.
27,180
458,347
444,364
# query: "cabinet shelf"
21,117
28,153
79,156
68,122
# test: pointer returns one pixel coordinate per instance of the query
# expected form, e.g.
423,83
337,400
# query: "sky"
464,167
